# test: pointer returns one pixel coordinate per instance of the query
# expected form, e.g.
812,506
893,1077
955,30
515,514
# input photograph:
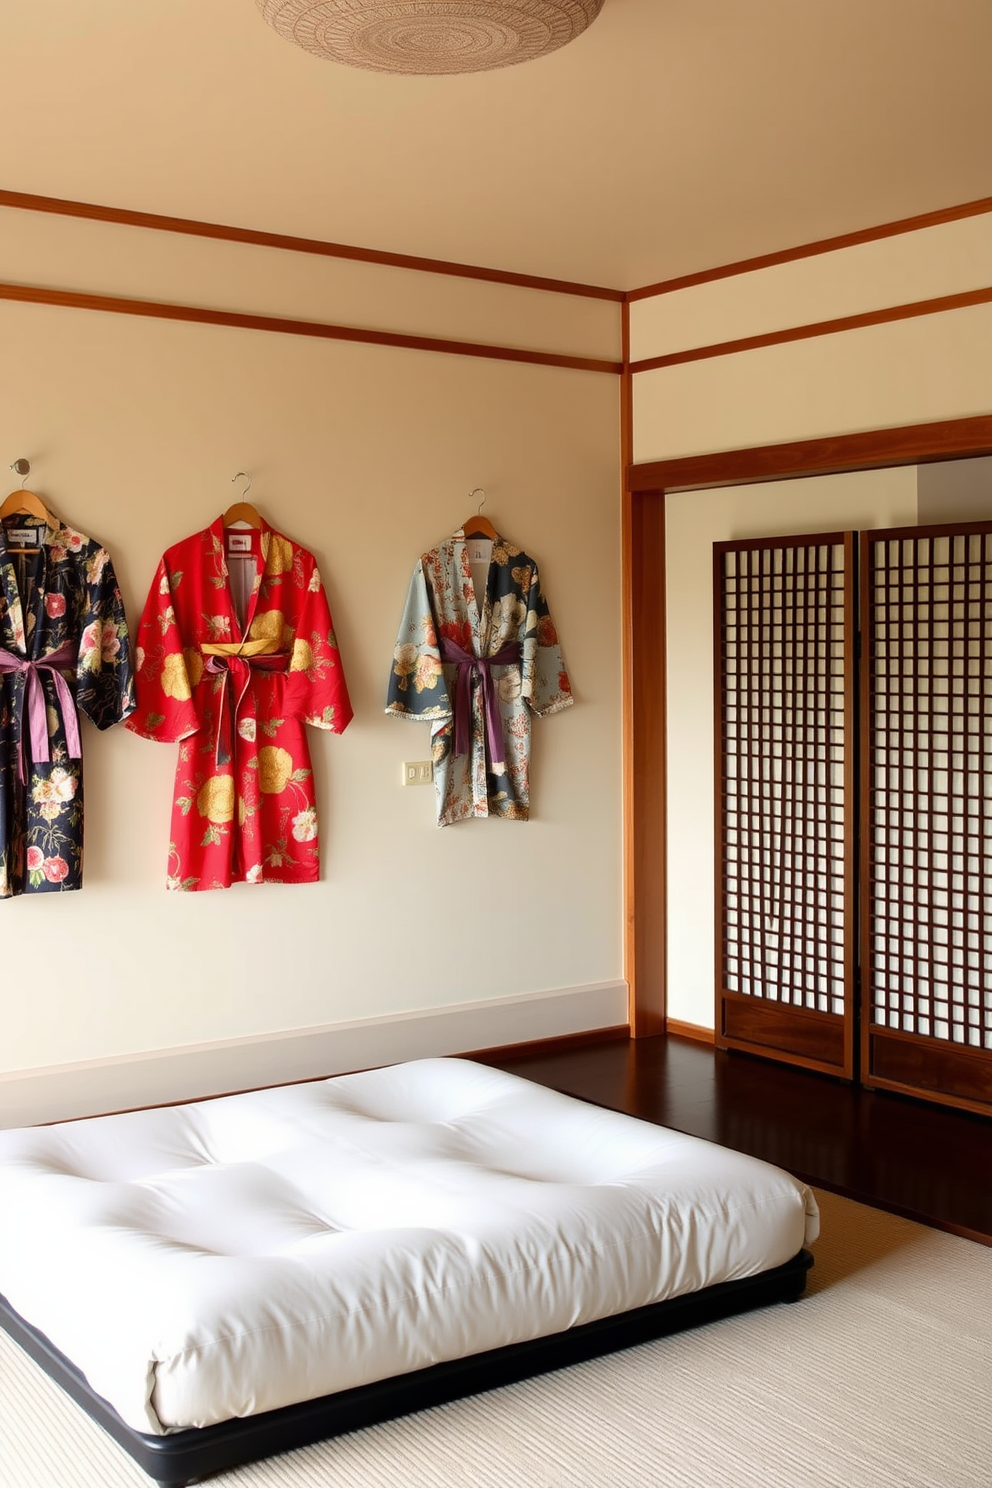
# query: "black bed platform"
186,1457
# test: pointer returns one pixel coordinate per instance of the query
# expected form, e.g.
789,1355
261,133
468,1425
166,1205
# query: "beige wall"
907,371
366,456
950,258
109,259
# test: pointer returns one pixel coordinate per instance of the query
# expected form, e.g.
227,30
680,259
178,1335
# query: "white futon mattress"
212,1260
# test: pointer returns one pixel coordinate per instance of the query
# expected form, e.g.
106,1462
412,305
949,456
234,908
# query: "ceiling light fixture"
430,36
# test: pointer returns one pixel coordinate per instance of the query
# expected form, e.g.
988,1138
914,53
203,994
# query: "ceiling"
672,136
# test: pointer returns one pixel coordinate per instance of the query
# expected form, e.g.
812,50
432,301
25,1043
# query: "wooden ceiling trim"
938,306
911,444
159,310
191,227
810,250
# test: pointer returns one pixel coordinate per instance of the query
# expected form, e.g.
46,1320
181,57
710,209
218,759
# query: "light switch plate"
418,772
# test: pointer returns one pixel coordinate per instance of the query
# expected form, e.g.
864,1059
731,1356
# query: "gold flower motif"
194,665
268,626
175,683
215,798
302,659
280,559
275,766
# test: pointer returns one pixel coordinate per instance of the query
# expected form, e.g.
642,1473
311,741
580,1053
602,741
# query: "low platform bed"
189,1456
220,1281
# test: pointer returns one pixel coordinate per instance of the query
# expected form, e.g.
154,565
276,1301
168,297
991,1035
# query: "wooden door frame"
645,685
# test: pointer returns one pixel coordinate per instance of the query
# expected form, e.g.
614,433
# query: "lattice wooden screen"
927,812
784,673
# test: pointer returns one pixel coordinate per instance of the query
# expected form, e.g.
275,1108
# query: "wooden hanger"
242,511
479,526
26,502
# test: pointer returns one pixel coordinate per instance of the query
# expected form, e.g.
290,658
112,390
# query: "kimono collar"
217,530
13,621
49,530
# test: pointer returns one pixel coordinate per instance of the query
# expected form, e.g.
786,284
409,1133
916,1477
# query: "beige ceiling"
672,136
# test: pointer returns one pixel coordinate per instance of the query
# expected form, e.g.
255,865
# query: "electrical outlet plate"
417,772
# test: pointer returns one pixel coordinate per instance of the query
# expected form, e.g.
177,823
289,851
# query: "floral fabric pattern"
235,691
64,651
497,667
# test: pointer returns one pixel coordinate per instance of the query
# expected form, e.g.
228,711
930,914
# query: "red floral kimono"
236,653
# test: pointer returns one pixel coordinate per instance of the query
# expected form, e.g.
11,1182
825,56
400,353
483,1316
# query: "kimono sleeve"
165,708
416,684
104,677
316,686
544,681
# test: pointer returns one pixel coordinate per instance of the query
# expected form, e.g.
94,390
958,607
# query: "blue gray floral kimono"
63,651
478,674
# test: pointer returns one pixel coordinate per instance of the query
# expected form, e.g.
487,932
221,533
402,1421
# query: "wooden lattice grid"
929,785
784,662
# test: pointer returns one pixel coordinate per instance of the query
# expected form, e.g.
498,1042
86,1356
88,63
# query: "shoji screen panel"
927,812
784,672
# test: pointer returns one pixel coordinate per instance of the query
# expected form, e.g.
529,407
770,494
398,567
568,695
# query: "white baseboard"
192,1071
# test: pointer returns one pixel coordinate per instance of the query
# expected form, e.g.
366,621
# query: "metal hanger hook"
22,468
476,493
247,477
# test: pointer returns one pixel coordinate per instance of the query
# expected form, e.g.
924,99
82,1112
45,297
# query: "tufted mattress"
214,1260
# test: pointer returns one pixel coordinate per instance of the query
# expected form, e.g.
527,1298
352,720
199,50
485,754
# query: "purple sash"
236,673
33,700
481,667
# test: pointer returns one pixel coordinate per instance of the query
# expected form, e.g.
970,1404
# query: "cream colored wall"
365,455
949,258
907,371
109,259
912,371
695,521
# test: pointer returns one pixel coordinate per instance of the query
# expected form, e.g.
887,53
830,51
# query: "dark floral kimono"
63,651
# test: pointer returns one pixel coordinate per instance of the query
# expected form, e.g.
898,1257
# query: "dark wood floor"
923,1161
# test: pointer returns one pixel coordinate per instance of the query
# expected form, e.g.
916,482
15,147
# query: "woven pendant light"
429,36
